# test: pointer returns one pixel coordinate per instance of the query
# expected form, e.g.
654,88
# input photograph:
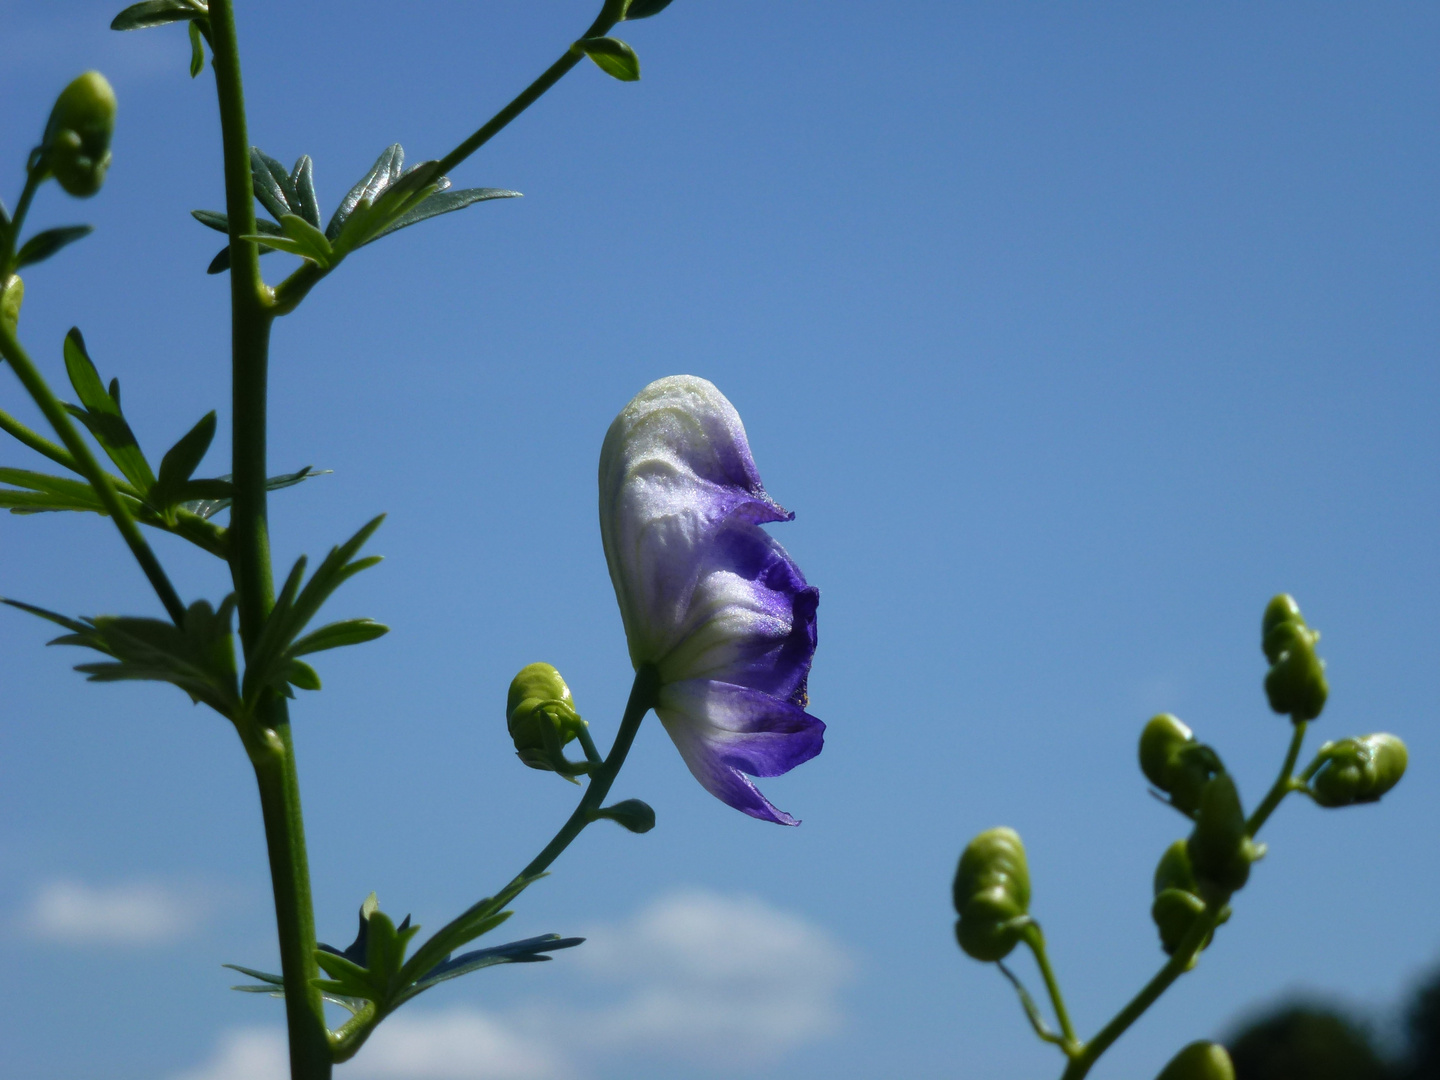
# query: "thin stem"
33,179
1035,938
1177,965
1283,783
1032,1011
39,443
587,744
89,468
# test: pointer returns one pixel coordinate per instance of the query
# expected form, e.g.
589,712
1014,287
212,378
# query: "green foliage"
612,56
44,244
632,814
159,12
99,410
643,9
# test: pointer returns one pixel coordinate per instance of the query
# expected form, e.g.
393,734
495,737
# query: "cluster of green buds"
1199,1061
992,895
1296,682
76,146
1177,898
1357,770
541,716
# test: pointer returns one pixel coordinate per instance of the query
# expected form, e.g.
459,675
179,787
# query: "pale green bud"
1296,681
541,716
1219,849
991,894
12,295
1359,770
1200,1061
1175,763
76,147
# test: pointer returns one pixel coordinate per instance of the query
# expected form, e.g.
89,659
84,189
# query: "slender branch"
1177,965
1032,1011
1283,783
42,445
1035,938
89,468
11,238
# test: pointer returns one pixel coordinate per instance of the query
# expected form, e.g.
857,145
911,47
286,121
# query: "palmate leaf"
99,411
157,13
44,244
198,656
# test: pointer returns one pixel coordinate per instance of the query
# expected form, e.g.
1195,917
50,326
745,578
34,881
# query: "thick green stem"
1081,1064
89,468
249,554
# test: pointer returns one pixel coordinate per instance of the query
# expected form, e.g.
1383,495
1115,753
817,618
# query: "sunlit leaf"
612,56
158,13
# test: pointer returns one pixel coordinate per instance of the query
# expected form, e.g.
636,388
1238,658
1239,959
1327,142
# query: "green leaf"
44,244
102,415
197,50
198,656
180,462
302,676
157,13
302,179
386,170
480,918
206,498
633,814
274,985
272,184
529,951
643,9
338,635
612,56
443,202
46,492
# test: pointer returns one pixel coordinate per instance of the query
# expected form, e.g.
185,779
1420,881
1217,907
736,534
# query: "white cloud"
719,981
247,1054
128,913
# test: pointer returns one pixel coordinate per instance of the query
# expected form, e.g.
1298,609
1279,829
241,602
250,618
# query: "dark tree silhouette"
1305,1042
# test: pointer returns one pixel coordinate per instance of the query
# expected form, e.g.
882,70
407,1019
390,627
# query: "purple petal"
724,731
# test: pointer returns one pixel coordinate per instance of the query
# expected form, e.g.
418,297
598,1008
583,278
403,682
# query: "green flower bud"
1199,1061
12,295
1296,681
1177,898
1219,849
541,717
1175,763
992,894
1358,770
76,147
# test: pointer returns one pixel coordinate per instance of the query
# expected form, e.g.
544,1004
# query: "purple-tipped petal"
724,731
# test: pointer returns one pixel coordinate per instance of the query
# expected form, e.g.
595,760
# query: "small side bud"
12,295
1175,763
1199,1061
632,814
992,894
1296,681
1358,770
541,716
76,147
1219,849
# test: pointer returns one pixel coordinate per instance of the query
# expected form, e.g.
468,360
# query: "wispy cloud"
728,982
126,913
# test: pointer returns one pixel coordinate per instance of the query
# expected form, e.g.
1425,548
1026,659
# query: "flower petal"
674,470
723,731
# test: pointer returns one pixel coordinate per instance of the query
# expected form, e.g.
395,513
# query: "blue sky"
1071,333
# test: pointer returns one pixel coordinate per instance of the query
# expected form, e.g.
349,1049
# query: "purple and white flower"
709,600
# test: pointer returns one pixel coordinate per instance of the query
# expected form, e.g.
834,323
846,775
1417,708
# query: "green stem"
89,468
1184,957
1035,938
11,239
38,443
1283,783
249,555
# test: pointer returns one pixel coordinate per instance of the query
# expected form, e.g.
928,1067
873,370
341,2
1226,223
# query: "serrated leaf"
612,56
102,416
157,13
339,634
643,9
386,170
197,50
44,244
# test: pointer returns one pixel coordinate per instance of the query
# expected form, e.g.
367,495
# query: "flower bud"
1175,763
1199,1061
541,717
1296,682
12,295
1358,770
1219,849
992,894
1177,901
76,147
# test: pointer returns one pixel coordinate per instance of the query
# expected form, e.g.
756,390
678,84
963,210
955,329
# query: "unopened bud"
992,894
1296,681
1175,763
1359,770
1199,1061
1219,849
12,295
541,716
76,147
